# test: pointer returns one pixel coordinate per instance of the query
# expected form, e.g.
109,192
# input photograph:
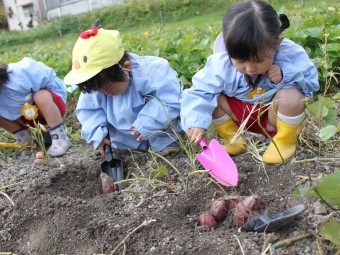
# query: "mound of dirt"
60,208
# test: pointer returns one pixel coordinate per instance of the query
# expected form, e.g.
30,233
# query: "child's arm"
136,132
92,117
159,83
101,146
298,71
200,100
196,134
275,74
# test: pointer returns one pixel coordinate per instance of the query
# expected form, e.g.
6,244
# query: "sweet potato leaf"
327,132
328,188
331,232
159,172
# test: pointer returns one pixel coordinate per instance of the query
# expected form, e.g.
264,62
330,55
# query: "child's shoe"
171,149
227,131
47,138
285,140
60,141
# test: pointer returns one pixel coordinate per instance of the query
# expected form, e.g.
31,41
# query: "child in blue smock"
135,98
253,73
32,82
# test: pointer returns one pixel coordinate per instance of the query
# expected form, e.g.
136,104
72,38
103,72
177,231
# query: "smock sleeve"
92,117
297,69
200,100
158,83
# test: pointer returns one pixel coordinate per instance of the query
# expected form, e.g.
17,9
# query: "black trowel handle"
108,152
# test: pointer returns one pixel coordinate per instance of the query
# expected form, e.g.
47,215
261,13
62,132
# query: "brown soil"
60,208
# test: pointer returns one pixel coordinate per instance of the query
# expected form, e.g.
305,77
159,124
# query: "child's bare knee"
290,99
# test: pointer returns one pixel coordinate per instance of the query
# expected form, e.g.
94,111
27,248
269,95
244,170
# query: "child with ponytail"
254,76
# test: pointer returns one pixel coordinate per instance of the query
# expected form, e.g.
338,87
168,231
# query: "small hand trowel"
215,158
113,166
273,222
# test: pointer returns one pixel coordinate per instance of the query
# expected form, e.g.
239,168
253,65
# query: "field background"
187,38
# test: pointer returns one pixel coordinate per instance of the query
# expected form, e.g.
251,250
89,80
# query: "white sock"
220,120
291,120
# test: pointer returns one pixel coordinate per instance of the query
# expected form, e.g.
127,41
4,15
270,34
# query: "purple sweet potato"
244,209
108,184
206,219
218,209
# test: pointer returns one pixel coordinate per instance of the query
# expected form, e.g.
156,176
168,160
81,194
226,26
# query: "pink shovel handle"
202,143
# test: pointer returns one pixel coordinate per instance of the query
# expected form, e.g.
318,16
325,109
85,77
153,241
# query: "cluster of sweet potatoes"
241,209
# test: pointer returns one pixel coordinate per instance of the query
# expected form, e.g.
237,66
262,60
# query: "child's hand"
275,74
196,134
101,146
135,132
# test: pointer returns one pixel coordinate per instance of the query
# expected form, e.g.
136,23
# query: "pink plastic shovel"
217,160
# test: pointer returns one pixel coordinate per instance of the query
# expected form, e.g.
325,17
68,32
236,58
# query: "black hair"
113,73
252,28
3,75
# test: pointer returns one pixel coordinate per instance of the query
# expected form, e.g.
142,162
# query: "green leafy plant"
327,189
159,172
37,134
331,231
324,112
324,109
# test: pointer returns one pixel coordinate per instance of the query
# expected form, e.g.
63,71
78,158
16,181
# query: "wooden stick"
239,244
267,242
316,159
327,218
125,240
11,185
290,240
5,195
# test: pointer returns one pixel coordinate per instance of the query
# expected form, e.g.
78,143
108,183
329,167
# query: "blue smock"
150,103
26,77
220,76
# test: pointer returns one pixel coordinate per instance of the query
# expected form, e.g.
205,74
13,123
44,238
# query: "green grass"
185,43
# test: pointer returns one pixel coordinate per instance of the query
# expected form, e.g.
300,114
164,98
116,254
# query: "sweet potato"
206,219
232,204
39,155
218,209
244,209
108,184
218,194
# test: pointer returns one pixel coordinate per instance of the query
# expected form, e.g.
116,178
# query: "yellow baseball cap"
94,51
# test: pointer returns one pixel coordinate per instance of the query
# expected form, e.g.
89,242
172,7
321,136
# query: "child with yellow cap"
133,98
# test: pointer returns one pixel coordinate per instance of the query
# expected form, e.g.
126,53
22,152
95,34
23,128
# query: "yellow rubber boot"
285,140
227,130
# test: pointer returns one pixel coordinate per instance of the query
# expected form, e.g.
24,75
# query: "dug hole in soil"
61,209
